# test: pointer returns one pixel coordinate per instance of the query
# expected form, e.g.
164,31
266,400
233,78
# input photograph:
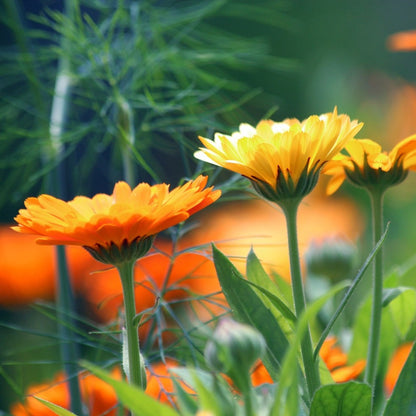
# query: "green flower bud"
333,258
234,348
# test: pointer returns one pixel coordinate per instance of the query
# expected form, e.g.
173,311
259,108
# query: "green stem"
248,402
376,196
136,374
69,346
290,209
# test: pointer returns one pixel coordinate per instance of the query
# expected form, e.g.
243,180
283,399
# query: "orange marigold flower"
260,375
107,225
395,366
282,159
368,166
402,41
336,361
56,392
159,382
24,282
98,397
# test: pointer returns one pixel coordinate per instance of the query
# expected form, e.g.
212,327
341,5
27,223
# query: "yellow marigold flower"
114,227
368,166
282,159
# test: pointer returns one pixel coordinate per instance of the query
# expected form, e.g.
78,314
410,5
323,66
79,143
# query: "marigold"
107,225
367,165
396,364
98,397
336,361
24,282
282,159
160,382
402,41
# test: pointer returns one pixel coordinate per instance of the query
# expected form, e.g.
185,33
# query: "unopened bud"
333,258
234,347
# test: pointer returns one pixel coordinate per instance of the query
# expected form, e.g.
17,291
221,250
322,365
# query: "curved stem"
135,372
373,346
290,209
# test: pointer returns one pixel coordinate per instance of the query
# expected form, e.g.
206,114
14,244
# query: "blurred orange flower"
332,355
160,384
56,392
98,396
24,282
111,222
402,41
395,366
260,375
336,360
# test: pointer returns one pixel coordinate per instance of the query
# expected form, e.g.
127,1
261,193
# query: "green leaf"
186,402
135,399
390,294
403,398
258,278
344,399
269,299
396,321
55,408
247,307
213,399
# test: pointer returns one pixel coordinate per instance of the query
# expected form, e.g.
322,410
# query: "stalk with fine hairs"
376,196
290,209
134,367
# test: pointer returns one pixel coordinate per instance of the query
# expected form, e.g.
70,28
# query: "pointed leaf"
390,294
60,411
270,299
247,307
187,404
344,399
258,278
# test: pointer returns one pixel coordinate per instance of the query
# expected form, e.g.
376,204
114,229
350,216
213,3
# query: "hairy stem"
290,209
135,371
376,196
